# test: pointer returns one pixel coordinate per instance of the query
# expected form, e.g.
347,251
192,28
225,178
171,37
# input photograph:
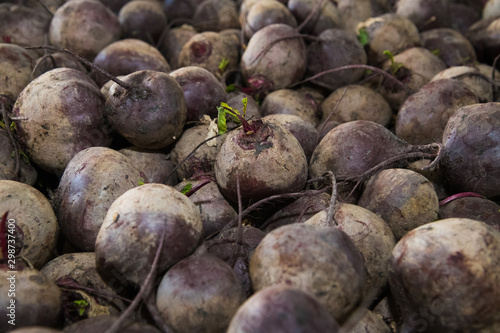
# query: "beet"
35,225
152,114
65,114
264,13
291,102
450,45
479,85
322,261
403,198
269,160
202,91
171,45
84,27
216,15
444,276
277,67
91,182
201,293
56,60
471,143
371,235
27,173
36,300
426,14
134,221
423,116
475,208
144,20
127,56
281,309
335,48
16,65
358,103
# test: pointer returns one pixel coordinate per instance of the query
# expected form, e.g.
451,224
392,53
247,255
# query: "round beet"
475,208
471,143
201,293
335,48
403,198
371,235
26,174
171,45
444,276
155,164
423,116
31,220
264,13
479,85
16,65
322,261
274,58
267,160
135,221
56,60
64,111
291,102
84,27
216,15
91,182
29,299
143,19
282,309
358,103
127,56
450,45
426,14
202,91
150,115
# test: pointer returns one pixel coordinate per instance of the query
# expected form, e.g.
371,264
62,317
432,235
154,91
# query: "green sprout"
435,52
81,306
186,188
395,66
223,64
12,125
230,88
141,181
363,36
224,110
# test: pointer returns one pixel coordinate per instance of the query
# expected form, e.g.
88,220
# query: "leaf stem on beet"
460,195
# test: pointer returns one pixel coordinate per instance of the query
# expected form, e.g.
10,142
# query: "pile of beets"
250,166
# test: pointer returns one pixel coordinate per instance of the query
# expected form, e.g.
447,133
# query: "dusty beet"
444,276
269,160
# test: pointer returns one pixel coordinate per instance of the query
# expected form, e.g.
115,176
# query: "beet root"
267,161
320,260
151,115
134,221
282,309
471,143
444,276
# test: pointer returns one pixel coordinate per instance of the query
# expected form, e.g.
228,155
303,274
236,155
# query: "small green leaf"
81,305
223,64
186,188
436,52
244,101
221,120
141,181
230,88
395,66
389,55
363,36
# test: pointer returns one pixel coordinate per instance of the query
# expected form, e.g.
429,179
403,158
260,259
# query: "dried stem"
330,216
313,12
71,284
145,289
493,76
85,61
460,195
350,67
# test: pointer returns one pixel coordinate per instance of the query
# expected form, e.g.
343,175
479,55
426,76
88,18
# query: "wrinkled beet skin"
471,143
